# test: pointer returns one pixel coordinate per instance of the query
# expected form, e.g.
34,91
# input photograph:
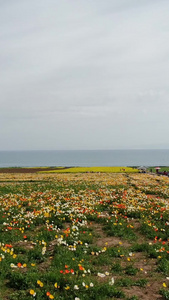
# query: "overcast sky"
84,74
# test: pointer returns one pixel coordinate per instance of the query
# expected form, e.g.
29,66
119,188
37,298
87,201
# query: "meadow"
83,236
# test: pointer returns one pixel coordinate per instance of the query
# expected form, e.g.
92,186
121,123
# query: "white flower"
13,266
111,282
107,273
76,287
101,275
76,298
91,284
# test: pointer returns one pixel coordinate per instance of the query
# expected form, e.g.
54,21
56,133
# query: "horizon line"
118,149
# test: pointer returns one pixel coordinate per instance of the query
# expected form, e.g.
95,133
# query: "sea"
84,158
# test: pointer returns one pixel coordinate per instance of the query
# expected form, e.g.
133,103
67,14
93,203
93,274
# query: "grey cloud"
103,65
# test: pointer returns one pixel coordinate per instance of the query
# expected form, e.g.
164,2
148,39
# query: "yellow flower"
40,283
56,285
164,285
32,292
51,296
67,287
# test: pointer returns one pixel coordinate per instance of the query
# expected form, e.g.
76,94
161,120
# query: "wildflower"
164,285
111,282
19,265
51,296
56,285
40,283
13,266
67,287
101,275
91,284
76,287
32,292
81,268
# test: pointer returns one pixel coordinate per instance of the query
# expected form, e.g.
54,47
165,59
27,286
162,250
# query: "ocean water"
84,158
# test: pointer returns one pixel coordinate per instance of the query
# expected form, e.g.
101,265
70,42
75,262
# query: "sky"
86,74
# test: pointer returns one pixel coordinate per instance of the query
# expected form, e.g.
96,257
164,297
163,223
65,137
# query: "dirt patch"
44,265
26,245
103,240
150,292
141,262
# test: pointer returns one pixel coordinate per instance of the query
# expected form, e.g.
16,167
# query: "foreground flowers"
83,235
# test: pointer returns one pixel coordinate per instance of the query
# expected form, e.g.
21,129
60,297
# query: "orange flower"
19,264
8,245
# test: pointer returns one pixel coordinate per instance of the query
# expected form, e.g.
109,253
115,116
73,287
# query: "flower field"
93,170
84,236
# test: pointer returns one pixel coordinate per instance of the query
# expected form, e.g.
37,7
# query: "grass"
86,236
